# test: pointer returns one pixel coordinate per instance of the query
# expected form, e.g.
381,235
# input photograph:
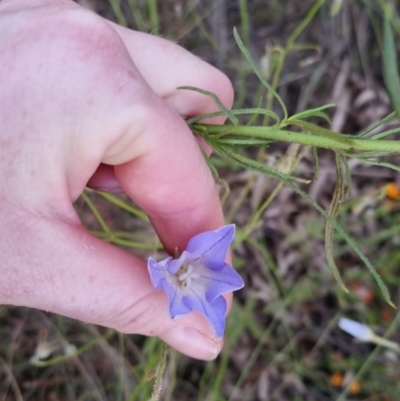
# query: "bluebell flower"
197,280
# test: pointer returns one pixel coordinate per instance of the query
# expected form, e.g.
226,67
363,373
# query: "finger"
85,278
178,68
170,180
166,66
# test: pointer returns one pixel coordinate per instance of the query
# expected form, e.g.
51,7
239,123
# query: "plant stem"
335,141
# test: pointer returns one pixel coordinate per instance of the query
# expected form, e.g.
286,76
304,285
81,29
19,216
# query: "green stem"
334,142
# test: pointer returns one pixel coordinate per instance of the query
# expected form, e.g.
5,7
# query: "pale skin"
86,102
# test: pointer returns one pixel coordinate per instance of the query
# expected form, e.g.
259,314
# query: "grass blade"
257,72
390,67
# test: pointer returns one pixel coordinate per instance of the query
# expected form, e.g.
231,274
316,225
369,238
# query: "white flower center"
186,277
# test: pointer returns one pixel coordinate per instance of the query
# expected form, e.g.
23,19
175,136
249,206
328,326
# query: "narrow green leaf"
255,115
319,114
153,14
244,142
347,174
197,119
256,111
304,23
381,164
312,112
119,14
316,163
245,20
124,205
256,166
386,133
249,59
376,125
323,132
137,15
370,154
213,96
216,176
98,215
390,67
337,198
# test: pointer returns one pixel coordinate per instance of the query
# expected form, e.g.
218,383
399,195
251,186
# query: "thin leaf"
98,215
153,14
216,177
197,119
213,96
124,205
119,14
316,163
235,112
255,165
311,112
304,23
319,114
386,133
376,125
323,132
337,198
254,117
257,72
137,15
370,154
381,164
390,67
347,175
244,142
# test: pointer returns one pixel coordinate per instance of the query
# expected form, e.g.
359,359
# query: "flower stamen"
187,277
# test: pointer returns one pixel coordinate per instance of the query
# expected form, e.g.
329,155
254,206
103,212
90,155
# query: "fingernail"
192,343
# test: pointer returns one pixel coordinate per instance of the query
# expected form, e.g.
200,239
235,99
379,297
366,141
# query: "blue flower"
197,280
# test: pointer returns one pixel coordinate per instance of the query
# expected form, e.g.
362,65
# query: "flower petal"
162,279
176,305
213,246
225,280
215,311
158,271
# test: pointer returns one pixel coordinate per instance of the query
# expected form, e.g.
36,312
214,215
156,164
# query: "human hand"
84,101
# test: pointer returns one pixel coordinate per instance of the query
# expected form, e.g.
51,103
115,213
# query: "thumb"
96,282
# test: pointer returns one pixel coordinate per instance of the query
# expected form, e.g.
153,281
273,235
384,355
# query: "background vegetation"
282,339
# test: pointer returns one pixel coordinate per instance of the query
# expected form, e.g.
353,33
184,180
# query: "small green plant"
227,140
